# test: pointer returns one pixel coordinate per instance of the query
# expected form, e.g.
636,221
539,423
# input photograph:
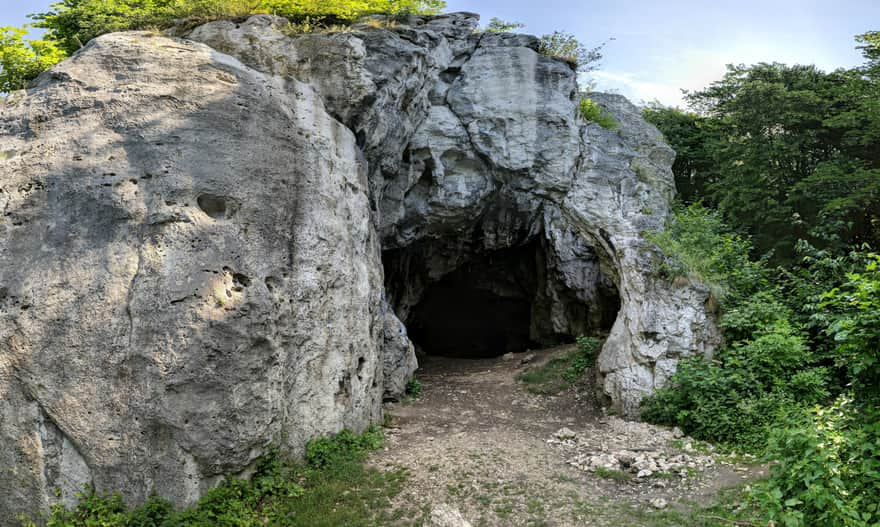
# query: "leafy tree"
21,60
690,134
870,47
72,23
786,152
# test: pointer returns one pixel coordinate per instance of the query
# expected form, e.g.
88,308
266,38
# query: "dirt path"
477,441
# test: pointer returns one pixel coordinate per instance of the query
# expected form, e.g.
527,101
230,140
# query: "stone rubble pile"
639,449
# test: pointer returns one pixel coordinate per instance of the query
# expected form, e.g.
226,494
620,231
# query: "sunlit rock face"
213,243
189,273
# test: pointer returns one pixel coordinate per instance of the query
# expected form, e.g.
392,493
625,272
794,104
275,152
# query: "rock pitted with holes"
192,230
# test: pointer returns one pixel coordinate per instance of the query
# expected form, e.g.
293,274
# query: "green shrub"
585,358
698,245
592,112
343,447
152,513
71,24
496,25
332,488
414,388
767,370
567,47
827,469
852,315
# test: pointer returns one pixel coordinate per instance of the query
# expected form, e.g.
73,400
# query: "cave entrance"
478,305
478,311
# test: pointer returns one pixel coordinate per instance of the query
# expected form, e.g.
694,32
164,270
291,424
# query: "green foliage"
791,347
21,60
870,48
698,245
560,373
72,23
592,112
751,384
567,47
345,446
785,152
414,388
690,134
333,488
827,469
852,315
583,359
496,25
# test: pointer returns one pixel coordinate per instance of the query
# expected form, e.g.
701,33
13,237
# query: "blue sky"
663,46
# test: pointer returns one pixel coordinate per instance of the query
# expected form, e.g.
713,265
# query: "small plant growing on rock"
587,350
496,25
593,113
567,47
414,388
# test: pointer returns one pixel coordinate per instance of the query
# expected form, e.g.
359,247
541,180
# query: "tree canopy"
786,152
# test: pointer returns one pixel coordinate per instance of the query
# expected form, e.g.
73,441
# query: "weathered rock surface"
189,273
445,516
194,240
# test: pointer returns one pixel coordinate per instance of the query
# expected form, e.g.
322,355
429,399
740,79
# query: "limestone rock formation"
212,243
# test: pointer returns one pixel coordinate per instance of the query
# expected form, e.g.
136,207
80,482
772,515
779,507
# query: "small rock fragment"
564,433
659,503
444,515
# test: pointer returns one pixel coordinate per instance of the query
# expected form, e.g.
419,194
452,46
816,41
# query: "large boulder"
189,273
209,247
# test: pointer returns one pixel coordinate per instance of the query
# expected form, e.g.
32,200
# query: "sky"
662,47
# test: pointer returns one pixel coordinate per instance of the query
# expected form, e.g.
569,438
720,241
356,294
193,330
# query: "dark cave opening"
483,304
461,316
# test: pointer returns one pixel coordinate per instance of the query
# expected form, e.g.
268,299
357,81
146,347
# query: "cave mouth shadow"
496,302
463,319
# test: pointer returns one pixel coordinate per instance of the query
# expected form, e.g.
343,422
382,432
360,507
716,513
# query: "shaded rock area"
212,243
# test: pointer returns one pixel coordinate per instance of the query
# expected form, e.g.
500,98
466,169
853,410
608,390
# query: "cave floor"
477,443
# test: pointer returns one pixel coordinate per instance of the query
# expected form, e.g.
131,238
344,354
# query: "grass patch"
614,475
731,509
332,487
560,373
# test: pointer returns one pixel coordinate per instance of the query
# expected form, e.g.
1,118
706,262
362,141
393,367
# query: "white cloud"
661,76
636,89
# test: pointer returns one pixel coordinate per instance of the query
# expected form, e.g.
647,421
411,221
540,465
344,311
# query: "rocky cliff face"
216,242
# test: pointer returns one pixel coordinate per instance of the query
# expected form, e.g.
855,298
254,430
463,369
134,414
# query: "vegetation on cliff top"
70,24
